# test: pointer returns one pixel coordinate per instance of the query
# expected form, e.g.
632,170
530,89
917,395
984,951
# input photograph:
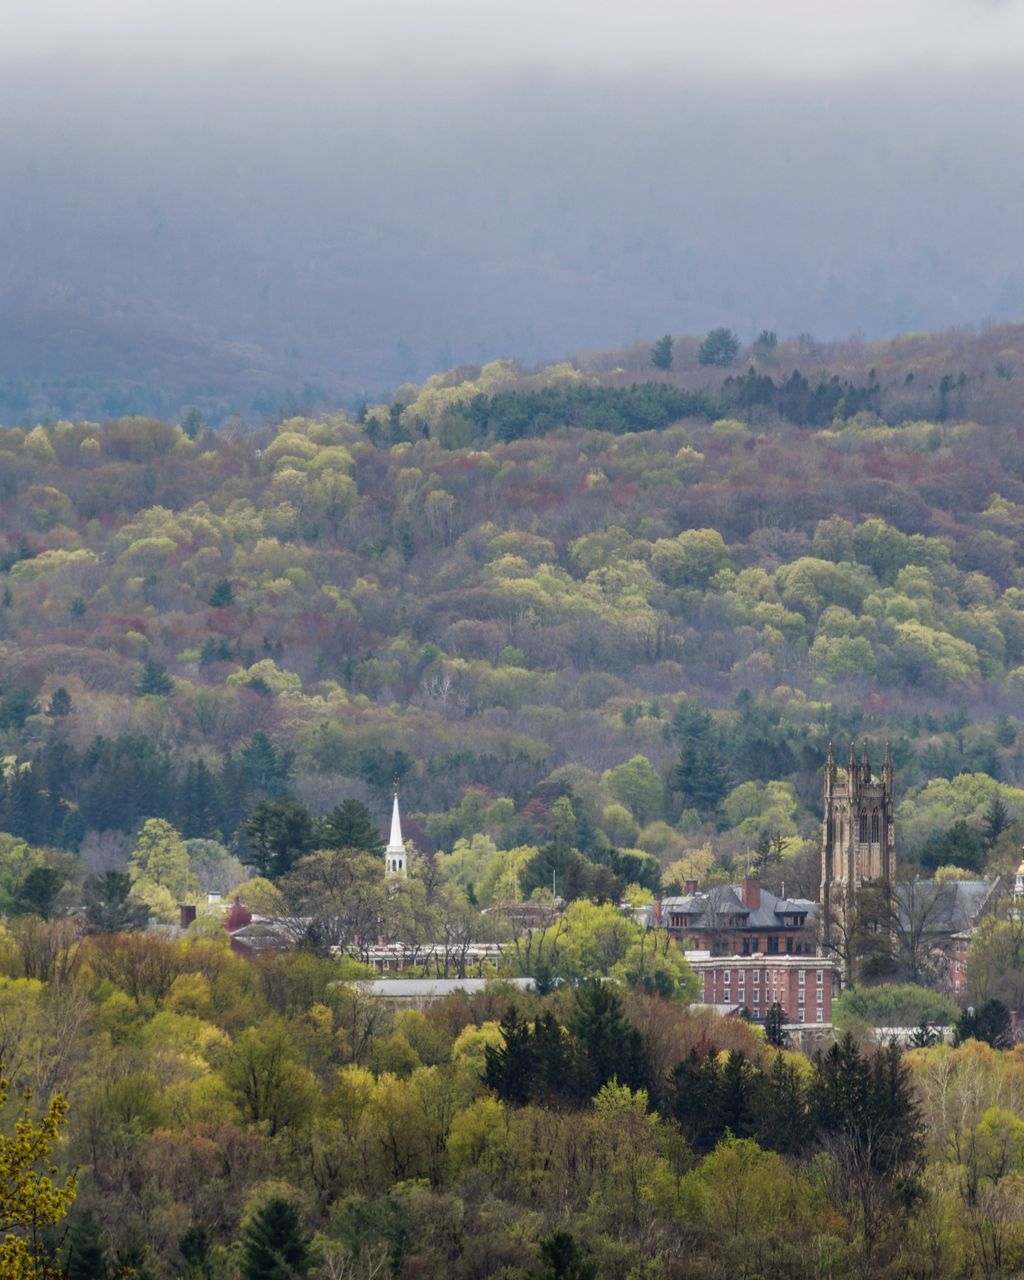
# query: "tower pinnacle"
395,852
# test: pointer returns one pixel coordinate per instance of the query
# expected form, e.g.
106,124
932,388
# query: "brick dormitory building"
751,949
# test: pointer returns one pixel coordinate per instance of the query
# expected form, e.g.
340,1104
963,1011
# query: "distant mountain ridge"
249,238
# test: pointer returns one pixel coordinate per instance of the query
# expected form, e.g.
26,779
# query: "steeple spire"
395,852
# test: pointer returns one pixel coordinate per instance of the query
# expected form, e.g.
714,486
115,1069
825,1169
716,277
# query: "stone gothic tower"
858,846
394,854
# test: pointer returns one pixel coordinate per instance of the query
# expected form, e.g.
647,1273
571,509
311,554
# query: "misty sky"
235,203
781,38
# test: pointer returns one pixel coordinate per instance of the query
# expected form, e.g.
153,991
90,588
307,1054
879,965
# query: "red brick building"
803,985
740,919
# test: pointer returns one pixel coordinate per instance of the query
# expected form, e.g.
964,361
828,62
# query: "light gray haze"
250,205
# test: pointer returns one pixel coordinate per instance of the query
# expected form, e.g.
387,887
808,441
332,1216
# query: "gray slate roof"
726,901
948,906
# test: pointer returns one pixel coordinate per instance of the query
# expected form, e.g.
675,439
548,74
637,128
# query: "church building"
858,848
394,854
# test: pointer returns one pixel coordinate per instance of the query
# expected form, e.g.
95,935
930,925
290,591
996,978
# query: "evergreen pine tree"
37,893
611,1048
774,1027
60,703
222,595
738,1100
350,826
661,353
273,1246
199,808
194,1247
279,832
562,1259
108,908
509,1069
695,1098
994,821
781,1108
154,679
86,1252
264,768
720,347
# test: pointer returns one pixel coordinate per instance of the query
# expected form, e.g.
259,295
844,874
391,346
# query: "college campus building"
751,947
802,985
743,919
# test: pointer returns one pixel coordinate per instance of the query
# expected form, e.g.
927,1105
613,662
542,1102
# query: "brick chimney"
691,888
750,892
186,914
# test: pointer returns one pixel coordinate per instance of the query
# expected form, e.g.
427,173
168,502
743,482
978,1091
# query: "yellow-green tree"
30,1197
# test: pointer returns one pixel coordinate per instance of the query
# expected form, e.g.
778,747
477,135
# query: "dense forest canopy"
599,600
600,621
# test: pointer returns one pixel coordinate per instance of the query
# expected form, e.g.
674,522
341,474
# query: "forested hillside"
600,622
638,630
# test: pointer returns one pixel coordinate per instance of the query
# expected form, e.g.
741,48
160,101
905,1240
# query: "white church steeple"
395,852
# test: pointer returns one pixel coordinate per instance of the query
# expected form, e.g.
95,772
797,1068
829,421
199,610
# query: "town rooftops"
748,904
947,906
436,988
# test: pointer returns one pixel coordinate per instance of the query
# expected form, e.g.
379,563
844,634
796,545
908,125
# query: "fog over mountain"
250,232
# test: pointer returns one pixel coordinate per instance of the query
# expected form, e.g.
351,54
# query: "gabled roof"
706,909
951,906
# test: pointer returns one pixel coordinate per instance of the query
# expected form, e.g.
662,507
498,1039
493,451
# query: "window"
800,997
757,997
741,977
863,828
773,946
819,1017
819,976
802,978
821,996
801,1015
874,827
756,977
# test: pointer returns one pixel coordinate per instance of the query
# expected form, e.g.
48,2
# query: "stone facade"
858,845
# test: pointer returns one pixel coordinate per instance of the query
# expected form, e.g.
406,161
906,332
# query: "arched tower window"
874,827
863,828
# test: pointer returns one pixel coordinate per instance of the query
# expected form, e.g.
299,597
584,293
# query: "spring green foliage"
234,1117
566,608
888,1005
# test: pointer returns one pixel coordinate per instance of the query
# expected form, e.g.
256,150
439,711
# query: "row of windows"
772,974
727,995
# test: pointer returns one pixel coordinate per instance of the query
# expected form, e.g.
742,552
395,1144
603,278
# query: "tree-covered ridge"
474,619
